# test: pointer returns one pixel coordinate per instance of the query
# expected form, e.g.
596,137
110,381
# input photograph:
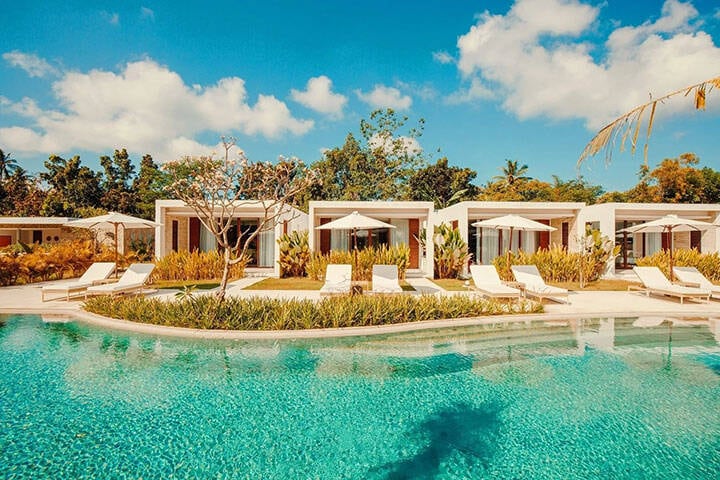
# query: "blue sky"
530,80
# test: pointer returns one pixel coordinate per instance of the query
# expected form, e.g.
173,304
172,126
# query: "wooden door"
414,234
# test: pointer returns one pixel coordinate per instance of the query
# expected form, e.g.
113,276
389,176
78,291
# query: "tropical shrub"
9,270
294,254
451,252
195,265
707,263
275,314
22,264
362,261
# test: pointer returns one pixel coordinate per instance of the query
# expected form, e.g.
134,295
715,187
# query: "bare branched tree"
632,121
217,187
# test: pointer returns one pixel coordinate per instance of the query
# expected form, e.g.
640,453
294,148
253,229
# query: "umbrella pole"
355,248
670,242
116,250
508,251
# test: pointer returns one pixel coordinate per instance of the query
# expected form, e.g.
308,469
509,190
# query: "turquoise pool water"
593,398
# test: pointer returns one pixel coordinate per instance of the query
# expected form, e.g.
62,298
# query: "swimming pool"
592,398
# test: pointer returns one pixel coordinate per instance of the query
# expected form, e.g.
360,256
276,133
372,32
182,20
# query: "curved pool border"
320,333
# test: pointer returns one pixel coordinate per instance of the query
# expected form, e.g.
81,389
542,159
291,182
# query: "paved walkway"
28,298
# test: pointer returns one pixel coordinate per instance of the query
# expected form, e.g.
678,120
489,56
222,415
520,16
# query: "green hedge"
273,314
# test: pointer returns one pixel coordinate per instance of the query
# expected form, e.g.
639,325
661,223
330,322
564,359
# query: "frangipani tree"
217,187
632,122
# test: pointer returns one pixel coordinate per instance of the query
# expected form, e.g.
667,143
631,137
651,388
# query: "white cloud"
443,57
425,91
385,97
147,13
146,107
319,96
476,91
533,59
32,64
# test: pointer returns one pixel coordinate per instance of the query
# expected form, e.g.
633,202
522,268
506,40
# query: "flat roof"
56,221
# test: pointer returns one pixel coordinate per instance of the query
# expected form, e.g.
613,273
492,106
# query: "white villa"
181,229
487,243
410,220
33,230
610,218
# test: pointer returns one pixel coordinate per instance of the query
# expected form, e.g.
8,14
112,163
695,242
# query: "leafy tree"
377,167
215,188
608,197
711,185
72,186
147,187
342,173
21,195
442,184
575,190
7,165
118,175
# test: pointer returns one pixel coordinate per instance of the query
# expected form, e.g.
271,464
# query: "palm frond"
631,122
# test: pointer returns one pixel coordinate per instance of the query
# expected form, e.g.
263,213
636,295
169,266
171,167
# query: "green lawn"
452,284
298,283
293,283
177,284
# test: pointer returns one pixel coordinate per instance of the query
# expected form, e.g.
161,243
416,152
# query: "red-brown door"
414,227
544,237
324,237
194,241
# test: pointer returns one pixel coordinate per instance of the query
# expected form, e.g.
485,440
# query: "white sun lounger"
133,280
654,281
691,277
385,279
96,273
534,284
338,278
487,282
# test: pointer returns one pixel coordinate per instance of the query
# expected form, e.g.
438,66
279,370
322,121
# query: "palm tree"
628,126
7,165
512,172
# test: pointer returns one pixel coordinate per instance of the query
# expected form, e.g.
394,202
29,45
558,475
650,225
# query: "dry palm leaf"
632,121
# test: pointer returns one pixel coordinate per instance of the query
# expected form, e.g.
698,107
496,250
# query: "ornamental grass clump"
183,265
707,263
557,264
362,261
276,314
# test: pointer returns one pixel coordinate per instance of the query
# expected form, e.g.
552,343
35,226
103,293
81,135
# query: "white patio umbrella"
669,224
114,220
511,223
354,222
